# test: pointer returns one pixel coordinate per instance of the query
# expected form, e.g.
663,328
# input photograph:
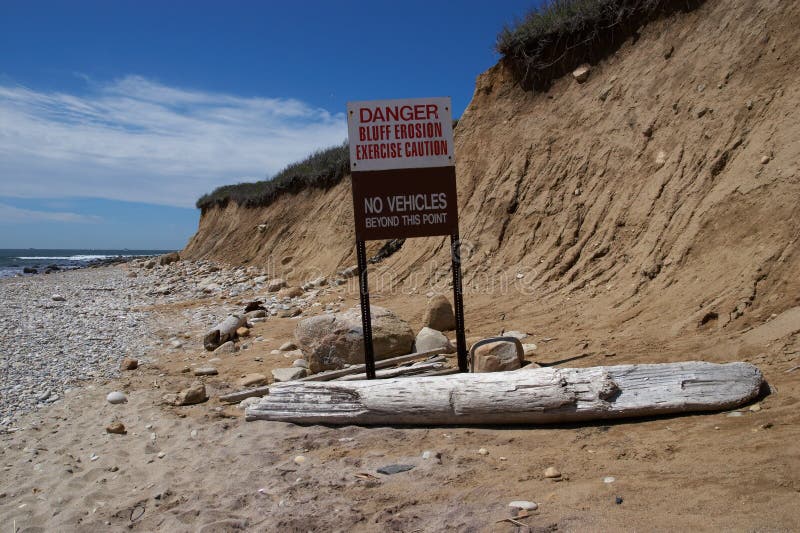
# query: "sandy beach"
203,468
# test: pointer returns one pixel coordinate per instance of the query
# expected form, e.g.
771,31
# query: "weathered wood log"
361,369
535,396
223,332
238,396
427,366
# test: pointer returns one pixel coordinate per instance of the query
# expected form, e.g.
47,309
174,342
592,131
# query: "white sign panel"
407,133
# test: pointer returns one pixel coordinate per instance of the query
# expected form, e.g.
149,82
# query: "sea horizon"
14,261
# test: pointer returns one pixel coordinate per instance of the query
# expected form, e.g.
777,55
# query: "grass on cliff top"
322,169
556,37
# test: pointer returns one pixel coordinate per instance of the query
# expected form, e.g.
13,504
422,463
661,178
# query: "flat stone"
58,298
206,371
524,505
116,397
288,374
394,469
516,334
228,347
253,380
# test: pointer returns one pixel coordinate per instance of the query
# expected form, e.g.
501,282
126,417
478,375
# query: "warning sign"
402,163
410,133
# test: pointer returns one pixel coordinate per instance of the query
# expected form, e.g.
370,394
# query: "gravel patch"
48,345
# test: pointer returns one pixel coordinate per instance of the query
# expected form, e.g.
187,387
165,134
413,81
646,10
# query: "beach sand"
203,468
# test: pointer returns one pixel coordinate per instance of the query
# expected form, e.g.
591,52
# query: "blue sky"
116,116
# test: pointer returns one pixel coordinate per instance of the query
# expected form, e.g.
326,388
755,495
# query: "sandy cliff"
657,199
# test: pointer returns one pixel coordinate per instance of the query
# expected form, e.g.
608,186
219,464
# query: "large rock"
276,284
193,395
166,259
439,314
497,357
290,292
430,339
332,341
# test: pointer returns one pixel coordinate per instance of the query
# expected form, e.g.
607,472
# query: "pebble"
524,505
552,472
394,469
58,298
118,428
483,451
609,479
299,460
206,371
193,434
764,159
116,397
161,455
129,363
735,414
300,363
287,346
755,408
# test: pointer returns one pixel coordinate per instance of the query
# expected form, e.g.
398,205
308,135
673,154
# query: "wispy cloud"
16,215
138,140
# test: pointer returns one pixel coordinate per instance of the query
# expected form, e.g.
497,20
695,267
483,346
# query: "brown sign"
407,202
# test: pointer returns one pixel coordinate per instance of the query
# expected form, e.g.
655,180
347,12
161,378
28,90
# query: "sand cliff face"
658,198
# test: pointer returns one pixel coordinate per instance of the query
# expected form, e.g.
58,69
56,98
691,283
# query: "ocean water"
12,262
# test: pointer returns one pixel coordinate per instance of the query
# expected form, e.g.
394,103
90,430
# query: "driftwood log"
223,332
536,396
238,396
361,369
419,368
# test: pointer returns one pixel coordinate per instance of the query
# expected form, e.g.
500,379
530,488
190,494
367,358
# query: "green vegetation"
561,34
321,170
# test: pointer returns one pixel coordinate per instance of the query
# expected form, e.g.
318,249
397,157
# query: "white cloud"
138,140
9,213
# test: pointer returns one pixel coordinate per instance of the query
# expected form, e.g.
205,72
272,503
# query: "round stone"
299,460
483,451
116,397
552,472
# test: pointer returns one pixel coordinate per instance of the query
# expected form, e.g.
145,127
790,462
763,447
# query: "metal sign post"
404,185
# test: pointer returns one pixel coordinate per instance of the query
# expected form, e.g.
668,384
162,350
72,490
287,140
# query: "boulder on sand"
429,339
439,315
497,357
332,341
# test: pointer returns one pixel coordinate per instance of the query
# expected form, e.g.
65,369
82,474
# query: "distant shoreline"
15,262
